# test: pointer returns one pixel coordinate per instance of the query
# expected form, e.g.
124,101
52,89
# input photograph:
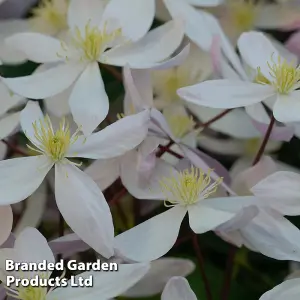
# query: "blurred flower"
6,217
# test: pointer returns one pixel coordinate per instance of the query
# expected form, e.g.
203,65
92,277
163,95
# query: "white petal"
104,172
204,2
156,46
34,210
225,93
289,289
204,218
21,177
84,208
160,272
37,47
114,140
129,13
8,101
6,217
89,112
281,191
8,124
45,84
30,114
260,53
81,13
152,238
178,288
106,285
287,108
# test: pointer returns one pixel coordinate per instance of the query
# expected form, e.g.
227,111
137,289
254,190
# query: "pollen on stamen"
188,187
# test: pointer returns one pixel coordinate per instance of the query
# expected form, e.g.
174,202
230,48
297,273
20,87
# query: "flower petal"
156,46
104,172
8,124
21,177
129,13
45,84
30,44
225,93
203,218
84,208
152,238
6,217
114,140
81,13
281,191
260,53
178,288
106,285
287,108
161,270
88,115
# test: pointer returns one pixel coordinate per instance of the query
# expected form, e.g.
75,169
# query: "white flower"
187,191
92,33
78,198
275,83
31,247
6,222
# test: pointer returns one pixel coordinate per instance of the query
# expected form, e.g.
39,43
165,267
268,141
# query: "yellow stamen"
260,78
190,186
50,16
93,41
180,125
54,144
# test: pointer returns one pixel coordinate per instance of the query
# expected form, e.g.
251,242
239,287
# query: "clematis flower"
6,217
275,83
188,191
31,246
78,197
77,56
178,288
288,289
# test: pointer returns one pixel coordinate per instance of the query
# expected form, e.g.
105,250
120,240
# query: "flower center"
180,125
54,144
242,14
188,187
50,16
93,42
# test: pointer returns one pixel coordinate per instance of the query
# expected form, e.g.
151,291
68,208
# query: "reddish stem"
15,148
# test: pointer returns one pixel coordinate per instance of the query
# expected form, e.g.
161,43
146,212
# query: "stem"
201,266
233,249
15,148
166,149
113,71
216,118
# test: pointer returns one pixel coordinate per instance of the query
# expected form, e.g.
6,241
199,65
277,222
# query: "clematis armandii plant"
268,231
31,247
78,198
109,36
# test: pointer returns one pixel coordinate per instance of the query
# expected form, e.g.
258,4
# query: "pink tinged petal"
106,285
293,43
160,272
6,217
203,218
287,108
8,124
84,208
37,47
178,288
288,289
114,140
143,189
104,172
21,177
81,13
156,46
225,93
152,238
273,235
68,245
260,53
160,122
89,113
45,84
280,191
128,14
34,210
9,243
